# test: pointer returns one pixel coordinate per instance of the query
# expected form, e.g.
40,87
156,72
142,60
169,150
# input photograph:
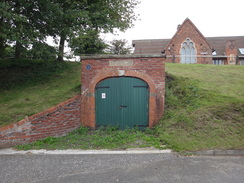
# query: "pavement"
129,166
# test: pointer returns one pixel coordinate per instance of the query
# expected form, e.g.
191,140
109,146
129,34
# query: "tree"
26,21
80,16
119,47
88,43
22,22
7,52
41,50
4,27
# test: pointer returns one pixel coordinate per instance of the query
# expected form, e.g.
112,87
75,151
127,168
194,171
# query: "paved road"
137,168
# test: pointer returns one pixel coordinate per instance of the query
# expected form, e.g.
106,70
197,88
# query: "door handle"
122,106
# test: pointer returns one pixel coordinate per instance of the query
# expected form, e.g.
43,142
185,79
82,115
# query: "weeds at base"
104,138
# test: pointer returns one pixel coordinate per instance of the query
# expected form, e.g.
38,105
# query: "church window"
188,52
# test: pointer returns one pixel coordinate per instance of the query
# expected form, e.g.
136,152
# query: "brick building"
189,45
123,91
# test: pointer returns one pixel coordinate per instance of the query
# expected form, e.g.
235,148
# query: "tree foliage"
88,43
23,22
79,17
119,47
41,50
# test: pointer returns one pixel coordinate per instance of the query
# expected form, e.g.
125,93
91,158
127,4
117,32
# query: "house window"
188,52
218,62
241,50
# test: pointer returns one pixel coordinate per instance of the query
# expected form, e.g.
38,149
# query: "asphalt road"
135,168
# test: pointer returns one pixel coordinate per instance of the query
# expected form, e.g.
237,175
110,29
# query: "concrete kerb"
11,151
219,153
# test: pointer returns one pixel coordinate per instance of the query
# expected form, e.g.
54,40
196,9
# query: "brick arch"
129,73
114,73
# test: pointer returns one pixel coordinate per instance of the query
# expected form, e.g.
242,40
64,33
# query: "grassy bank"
31,86
225,80
204,106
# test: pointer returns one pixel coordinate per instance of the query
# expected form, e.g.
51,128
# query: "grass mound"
31,86
197,119
204,107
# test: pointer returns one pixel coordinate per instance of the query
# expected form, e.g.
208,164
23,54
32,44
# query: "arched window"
188,52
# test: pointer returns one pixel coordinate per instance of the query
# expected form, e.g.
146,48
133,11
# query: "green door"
122,102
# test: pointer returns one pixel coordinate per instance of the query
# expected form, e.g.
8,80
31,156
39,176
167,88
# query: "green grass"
104,138
204,106
31,86
225,80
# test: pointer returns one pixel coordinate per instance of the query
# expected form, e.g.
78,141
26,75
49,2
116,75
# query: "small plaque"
88,67
103,95
121,63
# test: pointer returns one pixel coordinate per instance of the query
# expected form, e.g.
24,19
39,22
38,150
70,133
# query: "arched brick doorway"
102,70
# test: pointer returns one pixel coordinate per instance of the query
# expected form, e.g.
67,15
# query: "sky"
159,18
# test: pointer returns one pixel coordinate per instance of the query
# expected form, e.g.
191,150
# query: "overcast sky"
159,18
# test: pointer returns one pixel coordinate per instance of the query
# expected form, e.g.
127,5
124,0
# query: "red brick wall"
231,51
56,121
151,69
188,30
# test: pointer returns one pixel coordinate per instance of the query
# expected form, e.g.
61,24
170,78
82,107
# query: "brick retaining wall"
55,121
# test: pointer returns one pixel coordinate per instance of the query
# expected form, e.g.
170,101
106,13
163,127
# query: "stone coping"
123,56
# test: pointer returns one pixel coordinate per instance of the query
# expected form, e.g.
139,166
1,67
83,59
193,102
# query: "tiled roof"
218,43
155,46
150,46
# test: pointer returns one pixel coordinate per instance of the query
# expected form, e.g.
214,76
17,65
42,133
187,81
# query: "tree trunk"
2,47
61,49
18,50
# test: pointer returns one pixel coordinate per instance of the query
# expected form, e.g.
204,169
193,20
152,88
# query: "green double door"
122,102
